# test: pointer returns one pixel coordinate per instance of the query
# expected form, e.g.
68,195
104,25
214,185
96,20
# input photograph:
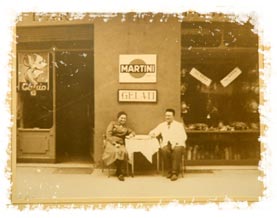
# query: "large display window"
220,92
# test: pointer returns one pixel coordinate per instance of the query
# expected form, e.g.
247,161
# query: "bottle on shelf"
195,152
227,154
189,153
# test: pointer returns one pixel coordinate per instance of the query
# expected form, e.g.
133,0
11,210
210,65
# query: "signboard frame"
135,94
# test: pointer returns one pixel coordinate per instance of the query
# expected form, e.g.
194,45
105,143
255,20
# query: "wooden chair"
103,166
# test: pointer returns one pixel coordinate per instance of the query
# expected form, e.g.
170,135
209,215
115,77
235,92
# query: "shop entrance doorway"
74,105
56,124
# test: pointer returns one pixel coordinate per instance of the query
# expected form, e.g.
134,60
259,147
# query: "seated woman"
115,151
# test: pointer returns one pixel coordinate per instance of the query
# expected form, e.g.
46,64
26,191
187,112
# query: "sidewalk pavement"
84,184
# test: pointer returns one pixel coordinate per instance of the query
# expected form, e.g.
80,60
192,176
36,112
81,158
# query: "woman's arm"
130,133
109,133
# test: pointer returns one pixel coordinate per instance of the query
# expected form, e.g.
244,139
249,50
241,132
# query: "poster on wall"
33,71
137,68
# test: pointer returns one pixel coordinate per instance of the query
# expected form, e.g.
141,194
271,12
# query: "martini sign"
140,68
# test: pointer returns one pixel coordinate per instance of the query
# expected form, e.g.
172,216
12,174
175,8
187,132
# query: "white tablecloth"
144,144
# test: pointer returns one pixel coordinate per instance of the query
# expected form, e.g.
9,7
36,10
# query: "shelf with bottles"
232,128
220,147
202,152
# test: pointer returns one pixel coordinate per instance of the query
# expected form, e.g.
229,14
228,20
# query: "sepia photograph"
136,107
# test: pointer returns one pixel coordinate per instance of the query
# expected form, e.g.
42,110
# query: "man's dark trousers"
172,158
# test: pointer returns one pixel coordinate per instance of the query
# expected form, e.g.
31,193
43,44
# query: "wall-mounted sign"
230,77
200,76
33,71
131,95
137,68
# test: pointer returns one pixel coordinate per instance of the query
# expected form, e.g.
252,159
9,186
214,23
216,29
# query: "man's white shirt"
173,133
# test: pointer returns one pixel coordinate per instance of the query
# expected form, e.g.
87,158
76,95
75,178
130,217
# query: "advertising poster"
137,68
33,71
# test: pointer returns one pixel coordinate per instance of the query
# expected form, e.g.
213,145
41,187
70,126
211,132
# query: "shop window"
236,101
220,92
36,111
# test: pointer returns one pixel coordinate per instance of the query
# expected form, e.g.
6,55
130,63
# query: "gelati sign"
33,71
131,95
137,68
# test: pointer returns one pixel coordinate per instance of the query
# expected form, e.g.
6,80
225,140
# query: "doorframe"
55,91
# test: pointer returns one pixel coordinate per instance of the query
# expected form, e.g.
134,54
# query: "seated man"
173,142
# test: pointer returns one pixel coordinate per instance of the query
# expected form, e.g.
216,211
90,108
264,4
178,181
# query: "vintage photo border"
132,200
263,50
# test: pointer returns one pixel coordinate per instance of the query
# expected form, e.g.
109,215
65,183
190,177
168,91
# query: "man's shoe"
174,177
169,175
121,177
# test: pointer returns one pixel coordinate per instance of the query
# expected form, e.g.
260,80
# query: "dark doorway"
74,105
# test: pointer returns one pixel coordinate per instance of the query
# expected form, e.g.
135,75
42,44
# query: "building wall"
113,38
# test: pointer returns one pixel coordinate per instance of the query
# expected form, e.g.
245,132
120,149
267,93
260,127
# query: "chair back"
159,138
104,139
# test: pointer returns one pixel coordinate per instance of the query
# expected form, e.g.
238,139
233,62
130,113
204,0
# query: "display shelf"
221,162
223,132
213,147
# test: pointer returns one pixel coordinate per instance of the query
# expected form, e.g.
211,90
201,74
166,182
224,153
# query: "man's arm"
155,132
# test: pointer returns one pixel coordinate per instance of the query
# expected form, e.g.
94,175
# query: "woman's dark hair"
170,110
121,113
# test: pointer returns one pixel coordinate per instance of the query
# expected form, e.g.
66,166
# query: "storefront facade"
88,61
